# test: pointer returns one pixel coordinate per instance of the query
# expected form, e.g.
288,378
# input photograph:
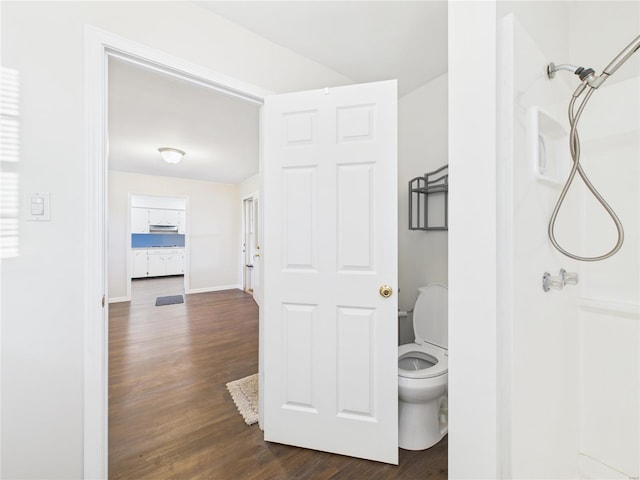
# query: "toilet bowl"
423,373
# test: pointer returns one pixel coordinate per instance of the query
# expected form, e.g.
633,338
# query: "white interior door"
330,242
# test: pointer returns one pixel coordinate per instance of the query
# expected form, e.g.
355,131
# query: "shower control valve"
568,278
549,282
558,282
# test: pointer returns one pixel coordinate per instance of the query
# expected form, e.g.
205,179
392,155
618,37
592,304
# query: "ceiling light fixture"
171,155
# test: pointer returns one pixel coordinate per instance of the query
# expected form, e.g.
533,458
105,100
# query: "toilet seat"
421,351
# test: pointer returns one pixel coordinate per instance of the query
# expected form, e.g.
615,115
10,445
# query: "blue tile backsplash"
142,240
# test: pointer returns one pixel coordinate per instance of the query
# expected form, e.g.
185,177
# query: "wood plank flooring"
171,416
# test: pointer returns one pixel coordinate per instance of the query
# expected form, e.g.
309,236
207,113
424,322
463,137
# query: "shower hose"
574,145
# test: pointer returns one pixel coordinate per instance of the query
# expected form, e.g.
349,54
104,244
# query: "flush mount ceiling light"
171,155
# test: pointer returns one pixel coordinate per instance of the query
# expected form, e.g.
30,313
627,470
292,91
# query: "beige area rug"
245,395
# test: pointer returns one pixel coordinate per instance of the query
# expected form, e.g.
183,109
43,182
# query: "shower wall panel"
573,403
543,327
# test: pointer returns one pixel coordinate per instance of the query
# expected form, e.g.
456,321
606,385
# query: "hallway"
170,414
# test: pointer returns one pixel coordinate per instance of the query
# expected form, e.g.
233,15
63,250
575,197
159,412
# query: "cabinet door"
139,263
175,264
172,217
139,220
157,217
157,265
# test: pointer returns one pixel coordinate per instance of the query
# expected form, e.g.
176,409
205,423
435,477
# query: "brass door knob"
385,291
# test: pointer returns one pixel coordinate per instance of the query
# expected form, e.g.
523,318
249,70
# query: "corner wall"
422,147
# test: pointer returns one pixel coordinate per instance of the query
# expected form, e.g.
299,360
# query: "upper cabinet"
142,218
158,216
139,220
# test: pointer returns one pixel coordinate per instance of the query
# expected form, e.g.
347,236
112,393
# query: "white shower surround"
574,374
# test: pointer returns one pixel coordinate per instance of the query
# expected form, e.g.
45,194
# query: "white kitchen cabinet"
163,217
139,220
139,263
174,264
157,262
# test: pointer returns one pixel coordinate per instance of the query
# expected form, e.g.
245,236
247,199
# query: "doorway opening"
250,246
178,268
101,47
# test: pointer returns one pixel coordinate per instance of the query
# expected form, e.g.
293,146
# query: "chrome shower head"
588,76
616,63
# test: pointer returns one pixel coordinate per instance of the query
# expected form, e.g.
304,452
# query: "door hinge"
103,300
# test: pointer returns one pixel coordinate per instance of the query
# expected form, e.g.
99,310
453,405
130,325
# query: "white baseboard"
119,299
213,289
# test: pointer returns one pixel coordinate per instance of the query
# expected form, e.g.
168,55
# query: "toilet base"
419,424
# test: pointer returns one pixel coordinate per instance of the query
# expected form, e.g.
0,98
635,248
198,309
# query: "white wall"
249,187
473,436
609,303
574,370
153,201
213,227
422,147
43,303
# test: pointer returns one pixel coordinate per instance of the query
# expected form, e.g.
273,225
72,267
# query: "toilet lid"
413,356
431,315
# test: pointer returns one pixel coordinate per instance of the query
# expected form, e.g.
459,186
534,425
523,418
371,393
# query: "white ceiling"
364,41
148,110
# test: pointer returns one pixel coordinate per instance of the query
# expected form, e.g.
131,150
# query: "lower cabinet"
157,262
139,263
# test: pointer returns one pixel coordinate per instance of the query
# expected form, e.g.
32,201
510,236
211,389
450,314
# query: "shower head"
623,56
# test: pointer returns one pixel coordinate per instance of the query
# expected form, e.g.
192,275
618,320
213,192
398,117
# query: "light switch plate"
38,207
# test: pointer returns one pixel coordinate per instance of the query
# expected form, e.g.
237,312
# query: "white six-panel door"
330,243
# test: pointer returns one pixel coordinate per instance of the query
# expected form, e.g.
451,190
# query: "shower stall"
571,365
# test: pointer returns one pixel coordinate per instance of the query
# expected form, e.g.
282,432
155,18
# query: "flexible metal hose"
574,145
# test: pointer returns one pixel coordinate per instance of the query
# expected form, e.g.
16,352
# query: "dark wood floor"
171,416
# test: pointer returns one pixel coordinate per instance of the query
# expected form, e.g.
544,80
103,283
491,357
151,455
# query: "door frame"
99,45
251,196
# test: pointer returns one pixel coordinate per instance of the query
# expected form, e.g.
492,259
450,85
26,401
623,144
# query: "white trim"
96,318
243,233
98,45
504,240
213,289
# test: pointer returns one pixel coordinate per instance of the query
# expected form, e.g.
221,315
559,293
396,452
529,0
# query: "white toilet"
422,373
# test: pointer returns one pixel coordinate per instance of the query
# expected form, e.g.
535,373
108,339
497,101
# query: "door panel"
330,242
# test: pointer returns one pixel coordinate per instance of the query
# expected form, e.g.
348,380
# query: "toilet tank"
431,315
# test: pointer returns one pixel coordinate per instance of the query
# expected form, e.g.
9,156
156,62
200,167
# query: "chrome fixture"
558,283
593,81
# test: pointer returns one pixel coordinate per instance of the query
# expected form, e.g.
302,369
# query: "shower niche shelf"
429,200
548,143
